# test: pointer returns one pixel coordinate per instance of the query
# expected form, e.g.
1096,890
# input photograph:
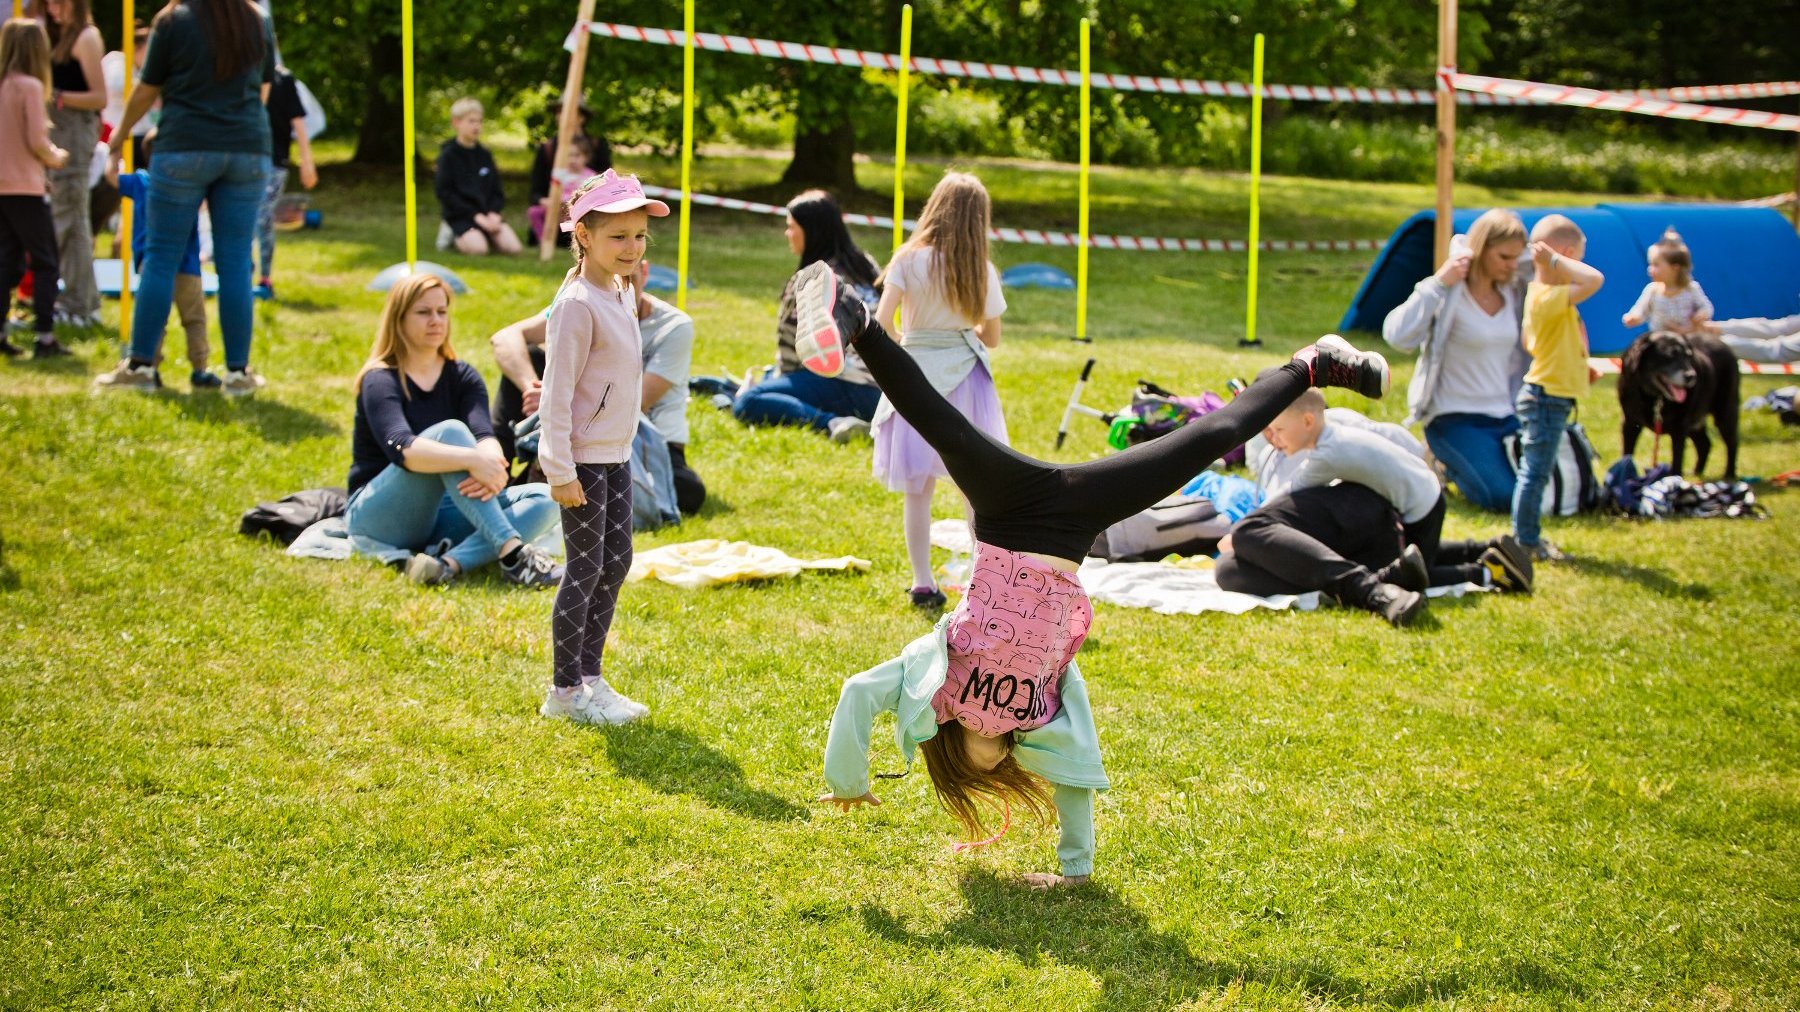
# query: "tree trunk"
824,157
380,139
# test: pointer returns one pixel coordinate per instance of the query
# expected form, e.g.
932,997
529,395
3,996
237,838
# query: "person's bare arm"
989,332
654,388
143,97
88,51
309,172
889,310
512,344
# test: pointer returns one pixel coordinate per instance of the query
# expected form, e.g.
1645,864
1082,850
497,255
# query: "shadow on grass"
271,419
672,761
1655,580
1091,927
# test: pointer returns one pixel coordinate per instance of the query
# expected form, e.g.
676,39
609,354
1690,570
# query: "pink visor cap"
615,193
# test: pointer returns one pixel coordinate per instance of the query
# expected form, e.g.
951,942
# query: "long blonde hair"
25,49
1494,226
390,345
968,792
954,225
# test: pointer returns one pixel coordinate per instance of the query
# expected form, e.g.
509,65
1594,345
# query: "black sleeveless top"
68,76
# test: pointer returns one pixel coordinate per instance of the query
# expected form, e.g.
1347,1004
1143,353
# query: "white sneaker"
844,428
563,705
604,704
125,376
242,382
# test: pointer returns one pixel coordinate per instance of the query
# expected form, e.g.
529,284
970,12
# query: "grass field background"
235,779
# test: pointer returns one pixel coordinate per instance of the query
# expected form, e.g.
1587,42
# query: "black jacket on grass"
468,184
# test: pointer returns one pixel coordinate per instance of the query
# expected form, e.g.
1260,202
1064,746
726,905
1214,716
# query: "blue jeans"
1542,419
805,398
231,185
414,511
1474,456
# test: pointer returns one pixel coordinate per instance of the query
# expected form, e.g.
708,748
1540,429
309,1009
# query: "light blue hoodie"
1065,751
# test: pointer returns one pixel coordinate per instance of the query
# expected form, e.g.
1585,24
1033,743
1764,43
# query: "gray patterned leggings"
597,537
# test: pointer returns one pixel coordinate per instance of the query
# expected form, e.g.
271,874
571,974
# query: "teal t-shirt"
199,111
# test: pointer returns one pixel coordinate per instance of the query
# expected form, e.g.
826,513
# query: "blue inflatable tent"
1746,258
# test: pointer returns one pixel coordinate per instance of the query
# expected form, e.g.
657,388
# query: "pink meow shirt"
1009,640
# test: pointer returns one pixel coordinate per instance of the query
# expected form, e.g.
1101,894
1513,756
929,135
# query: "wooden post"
1081,213
900,125
565,130
127,208
1446,131
687,149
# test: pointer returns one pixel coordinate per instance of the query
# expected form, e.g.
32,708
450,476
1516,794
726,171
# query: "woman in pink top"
593,378
1012,637
26,230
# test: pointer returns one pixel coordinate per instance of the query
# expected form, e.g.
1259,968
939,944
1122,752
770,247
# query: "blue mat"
1036,276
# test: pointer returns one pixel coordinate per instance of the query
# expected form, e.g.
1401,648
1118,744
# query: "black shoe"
928,600
9,349
1508,564
1336,364
1408,571
49,349
1396,604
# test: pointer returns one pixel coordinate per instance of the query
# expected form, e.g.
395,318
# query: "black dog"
1669,383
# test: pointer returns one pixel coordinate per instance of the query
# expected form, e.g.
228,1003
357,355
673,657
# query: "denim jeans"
1472,450
414,511
230,183
804,398
1542,419
265,219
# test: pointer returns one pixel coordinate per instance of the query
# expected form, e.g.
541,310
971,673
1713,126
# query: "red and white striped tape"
1610,367
1618,101
1723,92
1029,75
1036,237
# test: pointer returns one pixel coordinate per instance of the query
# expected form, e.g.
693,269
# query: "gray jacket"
1422,324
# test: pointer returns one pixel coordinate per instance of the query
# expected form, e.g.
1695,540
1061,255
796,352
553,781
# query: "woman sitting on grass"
425,468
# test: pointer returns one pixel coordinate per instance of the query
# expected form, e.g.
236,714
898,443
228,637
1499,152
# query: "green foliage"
239,780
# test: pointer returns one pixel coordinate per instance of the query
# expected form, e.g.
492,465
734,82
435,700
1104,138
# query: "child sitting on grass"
1672,300
1553,335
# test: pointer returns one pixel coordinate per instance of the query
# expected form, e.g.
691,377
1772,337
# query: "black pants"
1329,537
1450,562
28,239
1028,505
509,408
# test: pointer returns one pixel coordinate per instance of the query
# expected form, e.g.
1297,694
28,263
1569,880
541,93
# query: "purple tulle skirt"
904,462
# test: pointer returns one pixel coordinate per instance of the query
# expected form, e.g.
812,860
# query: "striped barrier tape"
1618,101
1610,367
1036,237
1723,92
1030,75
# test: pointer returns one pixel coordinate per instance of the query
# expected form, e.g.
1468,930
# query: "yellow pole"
1256,90
687,148
127,208
1081,251
406,98
900,125
565,130
1446,134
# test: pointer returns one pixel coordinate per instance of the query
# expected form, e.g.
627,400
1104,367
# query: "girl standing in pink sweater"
25,151
593,375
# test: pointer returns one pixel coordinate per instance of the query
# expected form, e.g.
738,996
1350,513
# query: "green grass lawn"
235,779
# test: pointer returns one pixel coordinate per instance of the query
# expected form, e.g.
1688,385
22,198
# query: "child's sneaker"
205,379
241,382
532,567
844,428
1544,551
264,290
1508,565
125,376
1396,604
826,323
603,704
928,599
1408,572
1335,363
429,570
563,704
47,346
9,349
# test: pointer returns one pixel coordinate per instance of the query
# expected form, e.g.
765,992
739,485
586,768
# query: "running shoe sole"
816,340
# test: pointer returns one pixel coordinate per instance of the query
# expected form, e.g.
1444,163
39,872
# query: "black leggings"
28,241
597,535
1023,504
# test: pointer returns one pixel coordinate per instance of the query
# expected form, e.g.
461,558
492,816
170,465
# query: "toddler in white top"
1672,300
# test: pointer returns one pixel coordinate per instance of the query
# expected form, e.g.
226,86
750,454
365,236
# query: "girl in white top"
948,298
593,378
1672,300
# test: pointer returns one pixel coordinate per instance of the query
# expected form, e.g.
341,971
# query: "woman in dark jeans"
842,406
210,61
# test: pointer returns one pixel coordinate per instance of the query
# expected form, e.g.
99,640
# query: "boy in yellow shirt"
1557,342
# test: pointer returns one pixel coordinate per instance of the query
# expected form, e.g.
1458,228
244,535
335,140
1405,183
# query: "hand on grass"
568,494
828,798
1044,881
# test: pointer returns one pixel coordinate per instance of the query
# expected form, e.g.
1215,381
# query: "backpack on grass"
285,518
1572,488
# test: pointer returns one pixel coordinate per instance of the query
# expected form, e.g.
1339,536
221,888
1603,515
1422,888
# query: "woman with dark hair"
77,94
842,406
211,63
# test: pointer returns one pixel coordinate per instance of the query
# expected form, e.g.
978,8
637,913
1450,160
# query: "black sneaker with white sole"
1396,604
532,567
1509,564
1336,364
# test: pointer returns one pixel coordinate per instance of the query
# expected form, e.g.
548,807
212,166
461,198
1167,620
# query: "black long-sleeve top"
468,184
387,421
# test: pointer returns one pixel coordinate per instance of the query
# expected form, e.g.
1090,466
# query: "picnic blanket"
710,562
